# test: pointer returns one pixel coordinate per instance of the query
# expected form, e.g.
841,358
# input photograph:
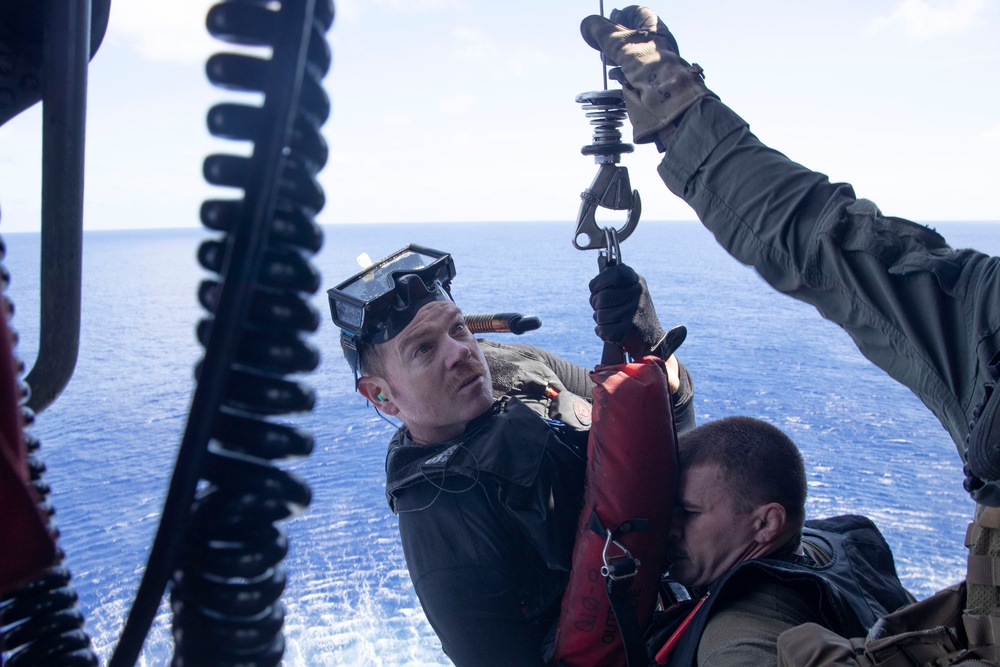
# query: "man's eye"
460,327
421,349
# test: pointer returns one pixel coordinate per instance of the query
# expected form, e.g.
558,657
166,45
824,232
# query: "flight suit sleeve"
923,312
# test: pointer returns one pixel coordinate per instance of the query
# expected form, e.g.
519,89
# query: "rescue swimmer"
488,489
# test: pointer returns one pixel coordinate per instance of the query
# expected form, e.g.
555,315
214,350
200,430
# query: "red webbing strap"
663,655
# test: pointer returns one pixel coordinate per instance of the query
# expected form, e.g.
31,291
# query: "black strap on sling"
618,570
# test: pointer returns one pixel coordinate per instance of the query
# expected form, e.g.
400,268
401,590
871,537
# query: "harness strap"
628,624
618,572
982,631
664,653
989,518
980,619
988,656
983,570
972,534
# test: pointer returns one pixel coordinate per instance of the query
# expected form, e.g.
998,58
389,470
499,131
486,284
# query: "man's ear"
371,388
770,522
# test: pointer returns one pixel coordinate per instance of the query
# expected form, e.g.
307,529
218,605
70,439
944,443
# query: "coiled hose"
44,53
222,552
40,623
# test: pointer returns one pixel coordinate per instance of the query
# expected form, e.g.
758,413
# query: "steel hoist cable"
218,544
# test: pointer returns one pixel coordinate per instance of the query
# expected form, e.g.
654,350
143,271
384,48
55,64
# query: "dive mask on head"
375,305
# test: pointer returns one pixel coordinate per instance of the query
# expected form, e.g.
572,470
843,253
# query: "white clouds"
473,44
347,10
458,103
425,94
415,6
163,31
505,58
926,19
397,120
352,10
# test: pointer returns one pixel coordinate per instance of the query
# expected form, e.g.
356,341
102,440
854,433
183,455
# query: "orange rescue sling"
620,548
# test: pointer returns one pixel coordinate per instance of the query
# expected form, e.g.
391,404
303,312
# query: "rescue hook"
611,187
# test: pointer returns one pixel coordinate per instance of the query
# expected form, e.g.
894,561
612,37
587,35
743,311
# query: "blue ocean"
110,439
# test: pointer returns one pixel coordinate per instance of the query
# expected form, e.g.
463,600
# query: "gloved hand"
623,311
657,84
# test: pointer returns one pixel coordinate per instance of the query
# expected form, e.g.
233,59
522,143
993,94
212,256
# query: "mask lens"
360,303
376,280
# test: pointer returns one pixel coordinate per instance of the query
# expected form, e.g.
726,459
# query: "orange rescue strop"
625,522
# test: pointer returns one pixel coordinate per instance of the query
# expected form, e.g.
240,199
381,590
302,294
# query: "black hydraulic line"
66,51
44,51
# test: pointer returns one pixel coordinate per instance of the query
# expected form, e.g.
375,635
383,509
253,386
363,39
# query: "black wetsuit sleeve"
464,567
577,380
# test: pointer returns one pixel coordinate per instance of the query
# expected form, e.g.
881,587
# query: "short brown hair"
370,360
759,462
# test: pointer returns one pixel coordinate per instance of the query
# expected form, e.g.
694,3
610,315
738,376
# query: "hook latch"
610,189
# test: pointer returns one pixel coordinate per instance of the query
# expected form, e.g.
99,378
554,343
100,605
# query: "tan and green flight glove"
658,85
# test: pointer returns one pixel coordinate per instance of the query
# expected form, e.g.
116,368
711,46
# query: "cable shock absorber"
607,114
227,577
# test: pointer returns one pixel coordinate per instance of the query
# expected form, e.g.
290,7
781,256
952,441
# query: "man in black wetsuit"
488,490
925,313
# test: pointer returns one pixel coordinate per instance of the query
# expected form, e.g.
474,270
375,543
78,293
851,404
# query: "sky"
464,110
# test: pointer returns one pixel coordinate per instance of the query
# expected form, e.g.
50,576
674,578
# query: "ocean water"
110,439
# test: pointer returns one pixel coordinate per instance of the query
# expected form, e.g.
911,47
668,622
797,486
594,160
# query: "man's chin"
677,573
479,392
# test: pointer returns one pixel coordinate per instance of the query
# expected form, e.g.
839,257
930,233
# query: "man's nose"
676,527
457,352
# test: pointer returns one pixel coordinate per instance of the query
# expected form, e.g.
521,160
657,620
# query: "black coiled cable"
43,55
223,552
40,623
